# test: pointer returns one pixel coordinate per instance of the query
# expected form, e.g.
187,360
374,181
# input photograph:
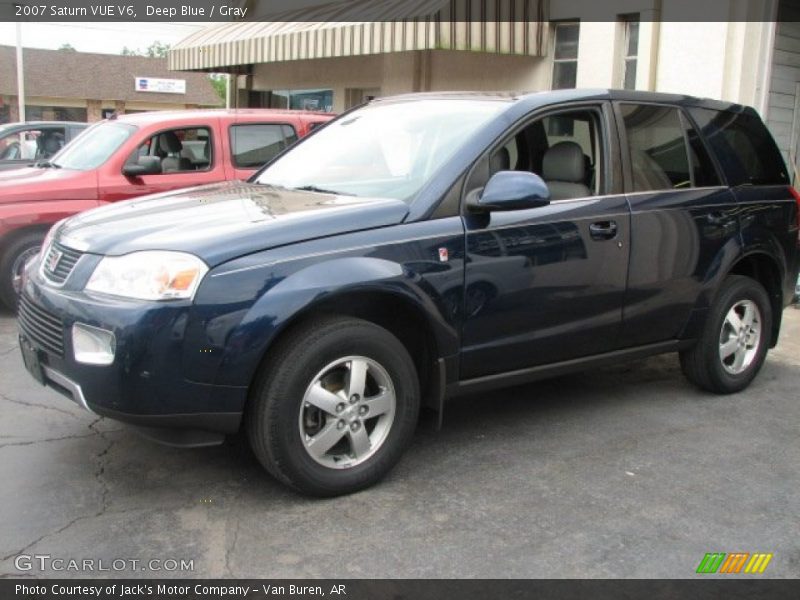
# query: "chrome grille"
59,262
42,326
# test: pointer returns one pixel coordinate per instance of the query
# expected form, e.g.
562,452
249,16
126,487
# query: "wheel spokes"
728,348
380,404
732,319
323,399
325,439
357,379
359,442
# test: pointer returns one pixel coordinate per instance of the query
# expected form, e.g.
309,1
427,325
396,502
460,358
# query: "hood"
219,222
26,184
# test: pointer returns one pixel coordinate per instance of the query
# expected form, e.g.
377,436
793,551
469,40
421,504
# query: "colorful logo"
735,562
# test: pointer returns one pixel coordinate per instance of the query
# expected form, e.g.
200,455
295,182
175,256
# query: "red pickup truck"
134,155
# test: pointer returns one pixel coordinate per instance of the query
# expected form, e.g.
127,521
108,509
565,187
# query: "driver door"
547,284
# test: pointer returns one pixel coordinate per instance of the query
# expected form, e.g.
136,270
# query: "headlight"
148,275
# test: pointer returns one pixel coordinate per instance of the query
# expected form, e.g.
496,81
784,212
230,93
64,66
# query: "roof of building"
91,76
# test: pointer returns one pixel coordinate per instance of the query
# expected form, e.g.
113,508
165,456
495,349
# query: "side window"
704,174
658,156
254,145
178,150
32,144
743,145
565,149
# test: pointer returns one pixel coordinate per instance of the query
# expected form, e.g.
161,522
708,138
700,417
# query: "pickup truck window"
744,146
179,150
98,143
254,145
386,150
657,145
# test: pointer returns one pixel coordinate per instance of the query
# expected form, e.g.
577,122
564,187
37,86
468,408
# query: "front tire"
12,261
735,338
335,407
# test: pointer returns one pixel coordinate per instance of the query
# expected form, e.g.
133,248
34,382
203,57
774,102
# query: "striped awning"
362,27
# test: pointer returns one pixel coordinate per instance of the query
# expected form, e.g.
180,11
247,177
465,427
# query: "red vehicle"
134,155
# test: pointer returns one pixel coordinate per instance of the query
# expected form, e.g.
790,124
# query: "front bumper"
145,385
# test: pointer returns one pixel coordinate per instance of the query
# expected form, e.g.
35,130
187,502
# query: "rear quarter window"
256,144
743,145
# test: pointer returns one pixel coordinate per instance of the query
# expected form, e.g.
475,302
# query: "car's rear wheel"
12,262
335,407
735,339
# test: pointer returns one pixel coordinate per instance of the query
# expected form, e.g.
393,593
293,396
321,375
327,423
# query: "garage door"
783,116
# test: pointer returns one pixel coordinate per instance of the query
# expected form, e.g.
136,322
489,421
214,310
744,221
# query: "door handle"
603,230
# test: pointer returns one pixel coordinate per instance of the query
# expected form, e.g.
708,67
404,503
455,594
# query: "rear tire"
312,426
733,346
14,257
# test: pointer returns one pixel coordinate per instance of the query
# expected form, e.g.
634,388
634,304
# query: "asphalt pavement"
621,472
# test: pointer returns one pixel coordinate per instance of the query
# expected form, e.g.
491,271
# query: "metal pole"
20,75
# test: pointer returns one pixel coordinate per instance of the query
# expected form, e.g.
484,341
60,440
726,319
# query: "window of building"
55,113
255,145
565,55
178,150
317,99
659,159
630,52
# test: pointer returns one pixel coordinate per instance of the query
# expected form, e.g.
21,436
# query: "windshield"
93,147
382,150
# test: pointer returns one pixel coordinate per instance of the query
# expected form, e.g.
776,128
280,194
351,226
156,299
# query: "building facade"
65,85
745,51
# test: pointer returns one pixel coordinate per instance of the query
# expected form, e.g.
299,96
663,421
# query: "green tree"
67,47
220,83
154,50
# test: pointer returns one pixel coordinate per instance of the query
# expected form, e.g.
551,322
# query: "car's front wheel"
335,406
735,338
16,254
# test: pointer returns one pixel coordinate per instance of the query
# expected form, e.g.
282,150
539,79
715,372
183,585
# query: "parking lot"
624,472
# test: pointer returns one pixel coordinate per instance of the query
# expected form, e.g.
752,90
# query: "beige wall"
404,72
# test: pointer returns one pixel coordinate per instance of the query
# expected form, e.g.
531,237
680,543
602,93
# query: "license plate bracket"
30,356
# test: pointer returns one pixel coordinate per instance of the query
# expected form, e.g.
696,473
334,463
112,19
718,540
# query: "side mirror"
146,165
511,190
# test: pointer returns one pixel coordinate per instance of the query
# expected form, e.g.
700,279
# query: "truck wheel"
735,338
334,407
12,261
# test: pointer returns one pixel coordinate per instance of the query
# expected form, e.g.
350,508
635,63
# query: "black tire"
16,251
273,416
702,364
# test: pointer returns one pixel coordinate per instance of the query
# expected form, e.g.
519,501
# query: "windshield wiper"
46,164
319,190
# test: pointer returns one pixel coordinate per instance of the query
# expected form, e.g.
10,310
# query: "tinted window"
743,145
704,174
659,160
32,144
255,145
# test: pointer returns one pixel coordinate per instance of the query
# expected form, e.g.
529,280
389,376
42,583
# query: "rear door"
683,217
254,144
547,284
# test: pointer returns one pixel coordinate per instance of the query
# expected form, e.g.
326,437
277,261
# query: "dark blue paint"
498,291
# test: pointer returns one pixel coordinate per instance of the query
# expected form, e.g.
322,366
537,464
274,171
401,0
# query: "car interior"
563,149
178,150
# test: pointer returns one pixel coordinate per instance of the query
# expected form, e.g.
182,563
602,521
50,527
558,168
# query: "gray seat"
564,171
170,145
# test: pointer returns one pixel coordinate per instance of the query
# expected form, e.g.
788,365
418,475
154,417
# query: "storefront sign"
162,86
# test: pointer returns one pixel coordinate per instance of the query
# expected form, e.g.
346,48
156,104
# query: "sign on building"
162,86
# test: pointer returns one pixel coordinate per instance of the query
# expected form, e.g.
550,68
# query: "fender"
247,334
38,214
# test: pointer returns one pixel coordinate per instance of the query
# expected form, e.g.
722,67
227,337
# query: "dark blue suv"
414,249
